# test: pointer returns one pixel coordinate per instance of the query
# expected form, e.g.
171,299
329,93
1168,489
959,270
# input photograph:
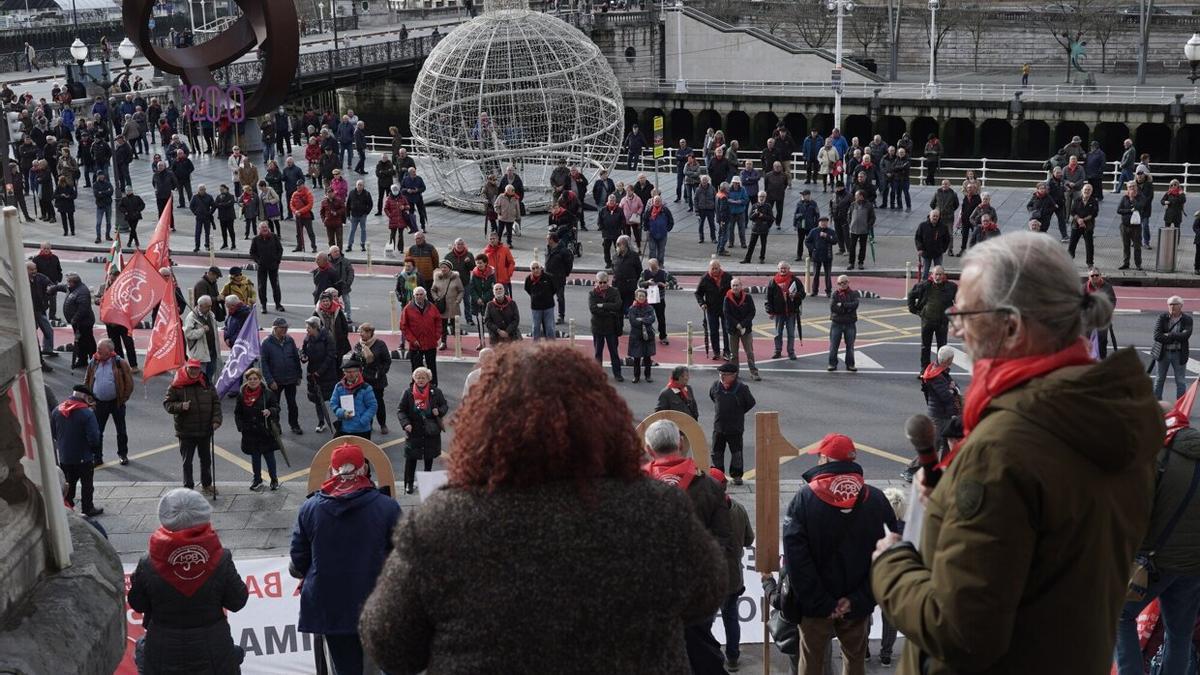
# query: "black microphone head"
919,430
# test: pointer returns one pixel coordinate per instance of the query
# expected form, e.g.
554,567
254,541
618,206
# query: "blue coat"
739,200
365,406
233,325
280,361
339,544
660,226
842,145
345,133
820,243
77,436
415,183
807,213
812,146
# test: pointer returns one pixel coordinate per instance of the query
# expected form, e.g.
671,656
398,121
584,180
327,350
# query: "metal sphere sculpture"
514,86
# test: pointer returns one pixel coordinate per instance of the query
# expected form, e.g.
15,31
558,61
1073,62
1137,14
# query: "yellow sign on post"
658,136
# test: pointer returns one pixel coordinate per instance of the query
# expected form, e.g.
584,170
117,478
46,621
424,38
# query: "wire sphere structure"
514,86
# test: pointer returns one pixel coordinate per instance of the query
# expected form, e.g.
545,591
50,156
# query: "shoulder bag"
1144,572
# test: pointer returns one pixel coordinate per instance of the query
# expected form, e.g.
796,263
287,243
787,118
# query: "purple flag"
245,352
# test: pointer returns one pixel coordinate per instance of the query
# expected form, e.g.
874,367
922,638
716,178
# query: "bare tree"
946,22
774,16
1105,22
976,22
1068,21
813,21
868,28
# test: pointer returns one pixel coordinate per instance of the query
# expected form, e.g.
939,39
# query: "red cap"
344,454
837,447
194,363
718,475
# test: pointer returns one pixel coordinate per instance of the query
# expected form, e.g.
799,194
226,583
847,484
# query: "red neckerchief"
460,251
182,379
251,396
839,490
339,485
677,471
324,266
639,303
655,210
993,377
421,398
1091,288
101,359
599,291
45,254
784,280
536,275
334,307
497,301
187,558
716,277
612,208
677,388
483,274
1175,190
729,295
351,387
71,405
933,370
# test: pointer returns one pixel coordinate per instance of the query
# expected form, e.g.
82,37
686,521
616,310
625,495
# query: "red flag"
166,342
158,252
134,293
1178,417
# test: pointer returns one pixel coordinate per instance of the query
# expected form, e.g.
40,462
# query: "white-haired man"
1047,499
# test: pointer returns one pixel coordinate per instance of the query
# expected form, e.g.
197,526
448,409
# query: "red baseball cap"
718,475
194,363
837,447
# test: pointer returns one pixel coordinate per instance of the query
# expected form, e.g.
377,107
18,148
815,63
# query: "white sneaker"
320,428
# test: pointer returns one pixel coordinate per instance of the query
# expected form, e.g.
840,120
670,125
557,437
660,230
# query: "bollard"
454,325
690,362
808,272
395,319
537,256
212,257
907,276
368,257
571,331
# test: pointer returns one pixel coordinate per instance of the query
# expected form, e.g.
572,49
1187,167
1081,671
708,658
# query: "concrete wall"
713,54
634,51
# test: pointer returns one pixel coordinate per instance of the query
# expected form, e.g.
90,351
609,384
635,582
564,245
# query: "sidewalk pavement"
893,246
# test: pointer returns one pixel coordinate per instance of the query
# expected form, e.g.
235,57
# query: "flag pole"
47,478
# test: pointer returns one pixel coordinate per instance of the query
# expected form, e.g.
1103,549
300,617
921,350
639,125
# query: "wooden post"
690,359
571,331
808,272
368,257
395,318
454,324
907,277
769,447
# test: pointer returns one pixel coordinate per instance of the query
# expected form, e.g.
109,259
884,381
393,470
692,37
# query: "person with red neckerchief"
183,587
1028,537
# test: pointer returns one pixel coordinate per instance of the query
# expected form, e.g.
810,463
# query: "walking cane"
704,326
212,463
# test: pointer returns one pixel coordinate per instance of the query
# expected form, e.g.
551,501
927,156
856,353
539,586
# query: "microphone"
919,431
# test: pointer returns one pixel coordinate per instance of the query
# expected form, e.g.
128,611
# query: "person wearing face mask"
353,402
422,409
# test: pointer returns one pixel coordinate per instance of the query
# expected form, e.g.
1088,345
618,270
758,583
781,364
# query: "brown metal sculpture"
381,466
770,446
270,25
693,434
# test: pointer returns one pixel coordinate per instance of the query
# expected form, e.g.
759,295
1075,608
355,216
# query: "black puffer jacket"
606,312
710,292
204,410
189,634
256,430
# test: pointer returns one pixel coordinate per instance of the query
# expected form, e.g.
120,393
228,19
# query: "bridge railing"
332,61
950,90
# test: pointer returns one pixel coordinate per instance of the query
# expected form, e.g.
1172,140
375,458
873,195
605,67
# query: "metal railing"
949,90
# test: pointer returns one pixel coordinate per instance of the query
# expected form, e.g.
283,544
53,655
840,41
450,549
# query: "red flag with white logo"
158,252
133,294
166,350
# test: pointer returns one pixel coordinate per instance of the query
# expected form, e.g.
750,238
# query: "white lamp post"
127,51
680,83
842,7
1191,51
931,88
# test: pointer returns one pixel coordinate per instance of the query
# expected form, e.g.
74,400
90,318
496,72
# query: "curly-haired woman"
533,499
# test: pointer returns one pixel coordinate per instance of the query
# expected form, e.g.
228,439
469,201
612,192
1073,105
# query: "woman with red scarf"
421,411
183,587
641,335
257,417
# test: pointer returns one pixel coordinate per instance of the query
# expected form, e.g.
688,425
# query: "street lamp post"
931,88
680,83
333,18
79,52
1191,51
842,7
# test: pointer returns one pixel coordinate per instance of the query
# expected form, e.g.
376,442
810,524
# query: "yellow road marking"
233,459
864,448
140,455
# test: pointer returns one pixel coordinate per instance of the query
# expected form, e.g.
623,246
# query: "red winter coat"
500,258
312,153
422,328
396,208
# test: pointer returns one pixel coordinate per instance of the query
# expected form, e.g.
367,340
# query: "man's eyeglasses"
956,316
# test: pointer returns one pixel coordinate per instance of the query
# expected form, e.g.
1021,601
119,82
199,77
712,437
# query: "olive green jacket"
1029,537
